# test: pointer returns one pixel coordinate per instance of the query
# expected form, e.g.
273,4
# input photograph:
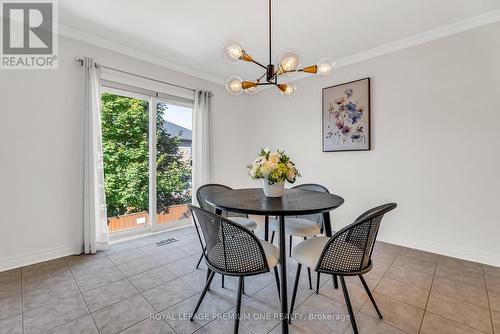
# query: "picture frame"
346,116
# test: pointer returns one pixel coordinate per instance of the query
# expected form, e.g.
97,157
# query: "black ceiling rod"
270,58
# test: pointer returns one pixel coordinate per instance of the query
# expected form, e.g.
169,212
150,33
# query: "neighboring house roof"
177,130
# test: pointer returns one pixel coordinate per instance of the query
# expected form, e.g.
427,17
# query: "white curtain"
95,227
201,140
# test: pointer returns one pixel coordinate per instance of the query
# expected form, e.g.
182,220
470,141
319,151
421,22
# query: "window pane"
125,127
173,180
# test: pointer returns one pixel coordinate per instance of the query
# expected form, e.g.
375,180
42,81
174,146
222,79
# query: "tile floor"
136,287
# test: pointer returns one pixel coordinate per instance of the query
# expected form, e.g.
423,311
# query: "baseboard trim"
444,249
41,256
434,247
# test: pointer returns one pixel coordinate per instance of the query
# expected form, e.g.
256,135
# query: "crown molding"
421,38
76,34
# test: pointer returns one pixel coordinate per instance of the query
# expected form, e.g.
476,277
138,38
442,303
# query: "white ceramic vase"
273,190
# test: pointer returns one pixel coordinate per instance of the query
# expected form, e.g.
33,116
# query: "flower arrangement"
274,168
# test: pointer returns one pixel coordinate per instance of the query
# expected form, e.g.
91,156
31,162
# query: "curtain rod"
80,60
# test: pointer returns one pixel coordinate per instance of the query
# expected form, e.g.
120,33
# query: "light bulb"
233,85
251,90
289,62
287,89
233,52
325,66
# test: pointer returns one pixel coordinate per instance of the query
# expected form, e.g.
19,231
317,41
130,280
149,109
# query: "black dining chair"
238,218
233,250
304,226
347,253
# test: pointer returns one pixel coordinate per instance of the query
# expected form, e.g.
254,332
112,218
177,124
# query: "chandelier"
288,64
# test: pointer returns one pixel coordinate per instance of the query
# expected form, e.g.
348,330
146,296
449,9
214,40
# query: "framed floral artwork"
346,116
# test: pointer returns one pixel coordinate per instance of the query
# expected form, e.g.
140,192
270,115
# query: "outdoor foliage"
126,158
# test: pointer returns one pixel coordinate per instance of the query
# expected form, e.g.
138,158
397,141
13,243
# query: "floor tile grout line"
425,310
248,297
273,328
429,295
456,299
69,269
64,259
313,293
159,264
208,323
359,311
122,330
83,316
197,293
467,326
147,301
51,303
67,322
488,297
256,291
373,317
81,294
367,299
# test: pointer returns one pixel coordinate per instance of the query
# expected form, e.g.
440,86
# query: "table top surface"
294,202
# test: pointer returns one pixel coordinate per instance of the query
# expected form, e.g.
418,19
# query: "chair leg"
317,282
199,261
335,281
371,296
290,250
238,305
272,236
243,287
349,306
210,278
309,275
294,294
277,278
266,228
222,282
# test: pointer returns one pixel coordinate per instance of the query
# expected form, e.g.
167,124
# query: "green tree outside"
126,158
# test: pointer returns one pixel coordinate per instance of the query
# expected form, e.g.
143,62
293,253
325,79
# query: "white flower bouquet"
274,168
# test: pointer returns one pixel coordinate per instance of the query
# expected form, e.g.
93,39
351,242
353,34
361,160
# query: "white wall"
435,110
435,139
41,133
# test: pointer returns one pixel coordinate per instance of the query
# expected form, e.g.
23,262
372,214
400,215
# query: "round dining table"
295,202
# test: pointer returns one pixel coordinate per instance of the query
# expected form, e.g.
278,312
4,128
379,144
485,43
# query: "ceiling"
192,33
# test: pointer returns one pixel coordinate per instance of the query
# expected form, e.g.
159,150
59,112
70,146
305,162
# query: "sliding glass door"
147,161
173,163
125,140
